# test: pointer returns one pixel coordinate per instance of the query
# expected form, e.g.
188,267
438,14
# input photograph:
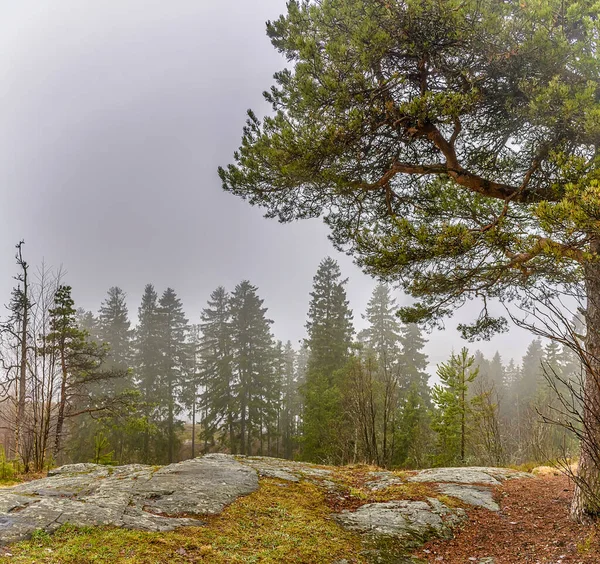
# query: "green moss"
280,522
388,549
589,544
413,491
452,501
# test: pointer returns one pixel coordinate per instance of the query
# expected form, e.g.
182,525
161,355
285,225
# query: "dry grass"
281,522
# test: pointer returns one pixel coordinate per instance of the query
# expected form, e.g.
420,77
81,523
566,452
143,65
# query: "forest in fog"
163,384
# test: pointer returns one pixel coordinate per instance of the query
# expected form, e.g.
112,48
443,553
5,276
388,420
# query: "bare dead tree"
549,313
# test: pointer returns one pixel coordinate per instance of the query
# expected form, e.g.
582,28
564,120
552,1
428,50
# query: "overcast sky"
115,116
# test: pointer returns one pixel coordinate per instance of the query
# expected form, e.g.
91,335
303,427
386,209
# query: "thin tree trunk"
194,428
463,410
586,500
243,425
170,429
62,402
206,429
23,367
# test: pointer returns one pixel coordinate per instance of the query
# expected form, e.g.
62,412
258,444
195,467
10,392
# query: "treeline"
83,386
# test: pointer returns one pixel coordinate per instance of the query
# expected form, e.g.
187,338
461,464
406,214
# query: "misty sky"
115,116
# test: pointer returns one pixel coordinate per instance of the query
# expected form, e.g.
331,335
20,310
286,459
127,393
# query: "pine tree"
253,356
82,389
415,129
330,331
175,358
66,341
453,406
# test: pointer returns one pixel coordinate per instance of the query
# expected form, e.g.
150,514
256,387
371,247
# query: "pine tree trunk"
463,410
61,405
586,501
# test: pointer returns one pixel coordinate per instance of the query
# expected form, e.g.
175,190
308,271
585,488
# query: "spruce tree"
217,403
191,388
382,337
532,376
148,363
114,328
497,375
553,362
413,362
330,332
253,356
175,358
88,322
290,401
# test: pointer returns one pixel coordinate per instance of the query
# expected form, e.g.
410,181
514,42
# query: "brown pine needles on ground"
533,526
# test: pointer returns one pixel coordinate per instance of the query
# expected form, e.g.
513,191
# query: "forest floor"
296,520
532,526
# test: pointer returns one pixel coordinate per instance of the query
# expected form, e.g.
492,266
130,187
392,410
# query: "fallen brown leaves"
533,526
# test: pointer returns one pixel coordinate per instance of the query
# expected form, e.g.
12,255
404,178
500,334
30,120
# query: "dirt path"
533,526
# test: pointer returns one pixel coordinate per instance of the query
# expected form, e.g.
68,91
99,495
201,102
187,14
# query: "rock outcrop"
133,496
162,499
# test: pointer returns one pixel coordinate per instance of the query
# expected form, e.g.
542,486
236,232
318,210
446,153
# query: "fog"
115,118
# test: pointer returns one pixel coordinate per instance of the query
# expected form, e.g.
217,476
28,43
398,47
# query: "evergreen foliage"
329,329
174,365
451,147
217,400
338,398
454,408
148,362
252,360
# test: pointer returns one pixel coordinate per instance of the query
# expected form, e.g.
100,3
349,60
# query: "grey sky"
115,117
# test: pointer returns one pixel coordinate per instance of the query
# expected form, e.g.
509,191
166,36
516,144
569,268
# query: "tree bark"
586,500
194,427
62,403
23,353
463,413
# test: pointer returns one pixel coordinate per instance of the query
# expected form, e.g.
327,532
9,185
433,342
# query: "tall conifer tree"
217,400
329,338
253,355
113,328
383,340
175,357
148,361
